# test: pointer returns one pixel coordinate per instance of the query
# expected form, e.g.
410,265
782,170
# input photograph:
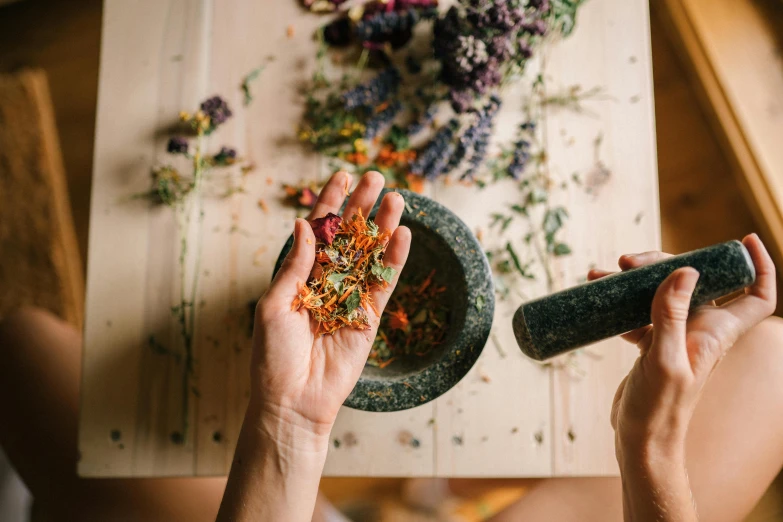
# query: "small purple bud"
177,145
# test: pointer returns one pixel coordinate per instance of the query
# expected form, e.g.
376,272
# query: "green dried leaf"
245,86
480,302
515,259
372,229
538,195
337,281
398,138
386,273
554,219
353,301
561,249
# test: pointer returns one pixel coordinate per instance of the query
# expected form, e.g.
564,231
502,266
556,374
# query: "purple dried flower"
177,145
520,159
217,110
499,48
402,5
476,139
226,156
374,92
524,49
470,53
541,5
424,120
536,27
461,100
394,27
381,120
432,161
339,33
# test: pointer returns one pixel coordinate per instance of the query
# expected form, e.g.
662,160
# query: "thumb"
670,316
299,261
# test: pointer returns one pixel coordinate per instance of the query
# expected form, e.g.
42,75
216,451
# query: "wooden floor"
700,203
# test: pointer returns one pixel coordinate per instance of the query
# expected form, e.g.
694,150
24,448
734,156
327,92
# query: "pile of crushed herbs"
348,266
415,320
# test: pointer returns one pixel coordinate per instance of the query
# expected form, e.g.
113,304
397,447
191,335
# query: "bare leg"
734,447
40,359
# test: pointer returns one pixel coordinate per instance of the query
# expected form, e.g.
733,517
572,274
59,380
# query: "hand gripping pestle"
618,303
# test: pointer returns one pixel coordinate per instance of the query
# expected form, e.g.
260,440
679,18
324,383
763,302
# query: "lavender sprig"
373,92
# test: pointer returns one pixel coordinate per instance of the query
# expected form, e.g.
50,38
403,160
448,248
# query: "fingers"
395,257
597,273
299,261
669,316
365,195
331,197
629,261
390,211
638,335
761,298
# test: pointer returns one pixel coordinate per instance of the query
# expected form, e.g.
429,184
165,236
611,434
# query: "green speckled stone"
621,302
441,241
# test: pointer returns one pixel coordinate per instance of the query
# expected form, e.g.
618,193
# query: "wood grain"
508,417
732,49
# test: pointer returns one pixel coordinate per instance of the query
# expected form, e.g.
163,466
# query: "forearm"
655,486
275,473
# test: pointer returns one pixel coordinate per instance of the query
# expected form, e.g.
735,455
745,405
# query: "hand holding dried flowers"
348,267
340,272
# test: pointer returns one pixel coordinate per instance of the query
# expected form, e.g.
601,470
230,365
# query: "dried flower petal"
216,108
177,145
307,198
325,228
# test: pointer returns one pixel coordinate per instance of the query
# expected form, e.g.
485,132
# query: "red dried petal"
307,198
325,228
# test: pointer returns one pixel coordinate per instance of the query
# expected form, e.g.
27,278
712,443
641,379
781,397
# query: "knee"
768,333
761,350
19,323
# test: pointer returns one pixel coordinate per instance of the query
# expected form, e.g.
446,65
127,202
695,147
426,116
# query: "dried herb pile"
446,81
348,266
415,320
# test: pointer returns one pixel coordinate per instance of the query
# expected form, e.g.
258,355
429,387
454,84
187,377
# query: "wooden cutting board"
508,417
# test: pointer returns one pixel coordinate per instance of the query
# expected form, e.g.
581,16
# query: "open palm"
296,373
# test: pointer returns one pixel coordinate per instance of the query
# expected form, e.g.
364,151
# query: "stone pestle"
615,304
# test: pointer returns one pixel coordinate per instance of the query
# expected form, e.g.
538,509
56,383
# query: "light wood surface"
732,49
525,421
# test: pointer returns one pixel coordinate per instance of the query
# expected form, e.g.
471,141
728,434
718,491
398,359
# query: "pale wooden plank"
385,441
114,325
618,217
496,421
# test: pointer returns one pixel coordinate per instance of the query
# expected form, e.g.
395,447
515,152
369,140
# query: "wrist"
652,457
287,432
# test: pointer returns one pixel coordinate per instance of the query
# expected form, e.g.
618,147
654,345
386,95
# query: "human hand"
298,377
654,403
